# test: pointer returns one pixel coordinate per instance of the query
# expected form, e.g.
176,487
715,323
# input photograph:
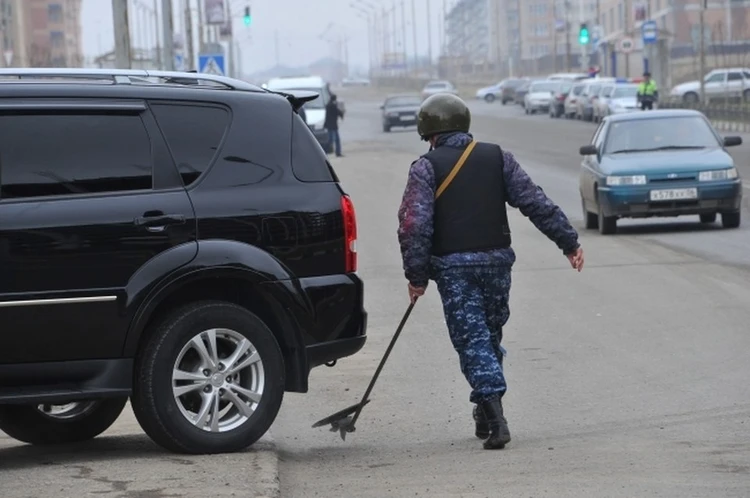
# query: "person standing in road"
333,113
453,229
647,92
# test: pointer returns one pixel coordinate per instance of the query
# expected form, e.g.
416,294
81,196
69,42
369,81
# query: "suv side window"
193,134
73,154
735,77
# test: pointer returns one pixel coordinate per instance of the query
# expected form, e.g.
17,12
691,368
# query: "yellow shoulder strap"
456,169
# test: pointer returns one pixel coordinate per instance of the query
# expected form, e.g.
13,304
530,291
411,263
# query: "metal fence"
726,116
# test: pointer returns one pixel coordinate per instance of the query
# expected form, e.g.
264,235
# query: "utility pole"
201,27
189,53
159,57
276,47
702,63
584,52
627,32
414,31
122,34
568,54
168,29
429,36
403,35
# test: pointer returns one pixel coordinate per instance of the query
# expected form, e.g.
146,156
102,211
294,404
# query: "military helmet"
442,113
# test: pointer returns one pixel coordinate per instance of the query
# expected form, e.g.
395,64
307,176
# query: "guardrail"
726,115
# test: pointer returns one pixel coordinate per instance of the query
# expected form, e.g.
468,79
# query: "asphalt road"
629,379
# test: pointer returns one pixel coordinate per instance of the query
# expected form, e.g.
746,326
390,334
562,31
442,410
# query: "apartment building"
41,33
469,30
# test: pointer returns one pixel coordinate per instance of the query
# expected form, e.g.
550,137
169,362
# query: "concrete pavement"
124,463
629,379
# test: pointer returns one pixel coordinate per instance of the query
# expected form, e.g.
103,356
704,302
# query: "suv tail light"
350,234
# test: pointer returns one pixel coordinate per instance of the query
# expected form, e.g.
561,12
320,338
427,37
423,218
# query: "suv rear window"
193,133
72,154
309,162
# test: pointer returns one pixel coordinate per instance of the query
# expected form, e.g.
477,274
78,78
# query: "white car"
490,93
600,105
434,87
624,99
539,96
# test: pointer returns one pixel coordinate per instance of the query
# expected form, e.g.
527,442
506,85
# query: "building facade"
41,33
469,29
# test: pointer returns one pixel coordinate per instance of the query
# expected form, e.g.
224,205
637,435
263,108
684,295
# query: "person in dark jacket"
453,229
333,113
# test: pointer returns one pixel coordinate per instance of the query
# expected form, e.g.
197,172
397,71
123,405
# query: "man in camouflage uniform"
457,233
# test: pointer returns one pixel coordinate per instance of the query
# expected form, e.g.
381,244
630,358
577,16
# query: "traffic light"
247,17
583,34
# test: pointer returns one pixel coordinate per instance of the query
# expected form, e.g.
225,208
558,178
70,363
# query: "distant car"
508,90
557,104
658,164
622,98
355,82
568,76
570,105
539,96
400,110
601,104
490,93
589,95
434,87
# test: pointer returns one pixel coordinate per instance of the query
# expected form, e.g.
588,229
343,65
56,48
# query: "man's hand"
415,292
576,259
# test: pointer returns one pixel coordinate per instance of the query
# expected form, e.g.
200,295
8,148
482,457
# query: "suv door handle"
158,221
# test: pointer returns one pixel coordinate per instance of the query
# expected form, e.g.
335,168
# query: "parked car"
601,104
559,95
434,87
490,93
400,110
539,96
725,83
585,101
571,101
568,76
662,163
509,87
624,98
155,250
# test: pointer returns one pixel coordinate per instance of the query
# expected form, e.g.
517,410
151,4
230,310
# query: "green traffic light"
583,35
247,18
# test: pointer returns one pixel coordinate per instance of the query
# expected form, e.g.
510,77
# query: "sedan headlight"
627,180
718,174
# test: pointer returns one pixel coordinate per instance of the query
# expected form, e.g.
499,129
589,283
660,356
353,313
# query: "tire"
489,98
708,218
165,419
386,128
590,220
731,220
72,423
607,224
505,101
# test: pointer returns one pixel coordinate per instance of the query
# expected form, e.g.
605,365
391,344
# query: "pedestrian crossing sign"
211,64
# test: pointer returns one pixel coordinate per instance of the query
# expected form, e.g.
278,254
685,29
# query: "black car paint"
409,111
246,226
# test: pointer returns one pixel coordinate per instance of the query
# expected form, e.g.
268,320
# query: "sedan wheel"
211,379
590,220
607,224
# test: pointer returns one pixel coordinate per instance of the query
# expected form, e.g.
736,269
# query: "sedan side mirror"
589,150
732,141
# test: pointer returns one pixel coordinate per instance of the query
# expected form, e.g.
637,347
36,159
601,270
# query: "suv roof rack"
130,77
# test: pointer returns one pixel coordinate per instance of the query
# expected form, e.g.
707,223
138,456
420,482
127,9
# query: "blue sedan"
658,163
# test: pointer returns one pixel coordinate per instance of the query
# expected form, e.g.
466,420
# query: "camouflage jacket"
416,218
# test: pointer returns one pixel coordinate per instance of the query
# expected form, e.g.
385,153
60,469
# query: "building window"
55,12
56,38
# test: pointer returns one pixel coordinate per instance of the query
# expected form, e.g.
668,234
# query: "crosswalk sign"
211,64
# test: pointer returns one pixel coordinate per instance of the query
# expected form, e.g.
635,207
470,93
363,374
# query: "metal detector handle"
382,363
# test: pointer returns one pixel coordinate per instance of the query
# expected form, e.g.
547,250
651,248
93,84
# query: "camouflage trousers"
475,303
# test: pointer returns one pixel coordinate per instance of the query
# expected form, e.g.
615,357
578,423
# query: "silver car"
624,98
539,96
434,87
600,104
571,102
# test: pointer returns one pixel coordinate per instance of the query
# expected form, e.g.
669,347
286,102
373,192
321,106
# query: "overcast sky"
299,24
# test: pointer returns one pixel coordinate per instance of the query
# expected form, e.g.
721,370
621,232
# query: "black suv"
173,238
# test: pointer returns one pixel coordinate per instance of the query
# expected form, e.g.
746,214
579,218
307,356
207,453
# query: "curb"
264,471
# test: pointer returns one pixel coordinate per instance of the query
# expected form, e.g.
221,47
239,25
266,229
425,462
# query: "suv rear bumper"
325,352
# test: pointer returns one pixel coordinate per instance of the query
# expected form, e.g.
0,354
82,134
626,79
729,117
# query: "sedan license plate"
678,194
407,118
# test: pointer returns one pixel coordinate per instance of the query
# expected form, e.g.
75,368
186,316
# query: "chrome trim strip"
64,300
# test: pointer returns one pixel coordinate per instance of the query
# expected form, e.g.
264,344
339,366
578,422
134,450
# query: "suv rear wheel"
210,379
47,424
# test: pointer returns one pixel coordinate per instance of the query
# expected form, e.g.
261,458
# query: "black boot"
499,432
482,430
